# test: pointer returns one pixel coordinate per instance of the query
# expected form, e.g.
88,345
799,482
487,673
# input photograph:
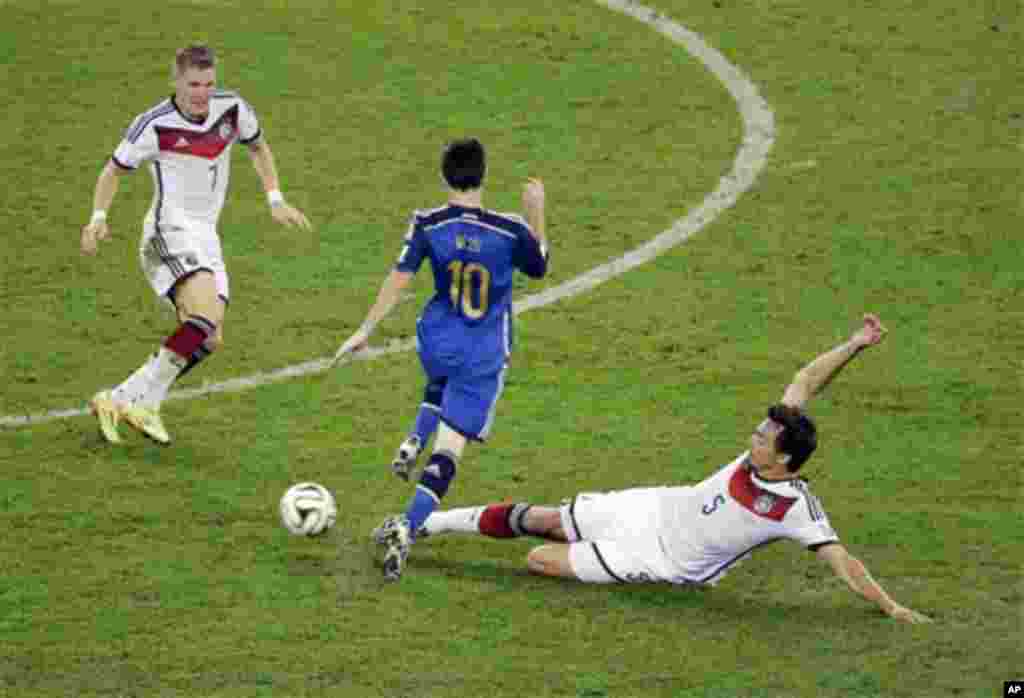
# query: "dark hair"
194,56
799,436
464,163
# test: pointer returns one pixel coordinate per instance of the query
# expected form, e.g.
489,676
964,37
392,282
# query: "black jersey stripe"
149,113
120,164
159,192
813,507
255,137
572,518
145,120
729,563
160,243
815,547
600,558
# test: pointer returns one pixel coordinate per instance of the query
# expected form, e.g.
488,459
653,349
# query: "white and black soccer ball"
308,509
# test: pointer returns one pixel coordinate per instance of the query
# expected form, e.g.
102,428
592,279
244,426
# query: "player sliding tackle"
464,336
693,534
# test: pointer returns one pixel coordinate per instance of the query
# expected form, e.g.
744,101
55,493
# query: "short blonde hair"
193,56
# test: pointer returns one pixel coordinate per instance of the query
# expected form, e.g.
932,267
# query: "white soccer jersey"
189,161
706,528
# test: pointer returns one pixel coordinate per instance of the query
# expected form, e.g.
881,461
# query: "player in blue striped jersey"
464,335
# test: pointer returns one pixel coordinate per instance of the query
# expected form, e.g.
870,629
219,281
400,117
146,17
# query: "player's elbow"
855,574
215,341
537,270
799,391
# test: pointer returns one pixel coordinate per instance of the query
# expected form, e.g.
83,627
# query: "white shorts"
169,254
613,537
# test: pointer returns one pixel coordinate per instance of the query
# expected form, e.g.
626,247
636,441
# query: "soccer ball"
308,509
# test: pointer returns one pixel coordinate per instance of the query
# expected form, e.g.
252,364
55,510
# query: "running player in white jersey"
692,535
185,141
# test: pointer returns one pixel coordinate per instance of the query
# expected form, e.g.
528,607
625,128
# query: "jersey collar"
765,482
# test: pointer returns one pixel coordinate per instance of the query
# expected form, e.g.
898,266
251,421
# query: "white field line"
758,136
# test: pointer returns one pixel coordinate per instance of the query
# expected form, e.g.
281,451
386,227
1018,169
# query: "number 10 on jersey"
464,277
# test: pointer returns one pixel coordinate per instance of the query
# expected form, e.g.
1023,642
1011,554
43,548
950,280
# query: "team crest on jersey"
757,499
764,503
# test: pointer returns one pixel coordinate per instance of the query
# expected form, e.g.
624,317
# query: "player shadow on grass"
713,603
357,573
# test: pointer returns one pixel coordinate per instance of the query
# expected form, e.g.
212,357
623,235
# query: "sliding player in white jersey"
692,535
186,142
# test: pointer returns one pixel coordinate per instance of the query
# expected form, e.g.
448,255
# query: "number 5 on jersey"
709,509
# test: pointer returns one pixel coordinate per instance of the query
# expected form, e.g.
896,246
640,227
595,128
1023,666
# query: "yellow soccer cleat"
147,422
107,414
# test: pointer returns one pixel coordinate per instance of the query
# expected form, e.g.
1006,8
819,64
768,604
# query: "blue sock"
422,506
437,476
429,414
427,420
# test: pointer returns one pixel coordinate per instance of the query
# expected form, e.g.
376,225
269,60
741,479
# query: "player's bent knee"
545,522
215,342
550,561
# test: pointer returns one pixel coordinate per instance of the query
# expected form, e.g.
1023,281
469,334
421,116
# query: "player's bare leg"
197,295
201,313
550,560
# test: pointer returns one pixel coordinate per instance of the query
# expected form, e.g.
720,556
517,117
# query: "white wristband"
98,216
275,197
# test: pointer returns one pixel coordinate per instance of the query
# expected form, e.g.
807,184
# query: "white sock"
464,520
153,398
135,385
166,365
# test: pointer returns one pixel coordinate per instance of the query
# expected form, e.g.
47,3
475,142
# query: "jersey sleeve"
140,143
249,130
531,256
414,249
810,527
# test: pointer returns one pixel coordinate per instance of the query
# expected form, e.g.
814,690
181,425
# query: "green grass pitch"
893,186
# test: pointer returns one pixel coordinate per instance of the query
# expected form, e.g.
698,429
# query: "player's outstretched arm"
106,187
815,376
533,207
387,298
856,575
282,212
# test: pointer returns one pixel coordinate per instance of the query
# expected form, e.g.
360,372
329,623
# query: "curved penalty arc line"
751,158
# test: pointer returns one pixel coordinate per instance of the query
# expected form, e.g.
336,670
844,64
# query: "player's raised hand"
908,615
533,194
92,233
871,333
286,214
356,342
